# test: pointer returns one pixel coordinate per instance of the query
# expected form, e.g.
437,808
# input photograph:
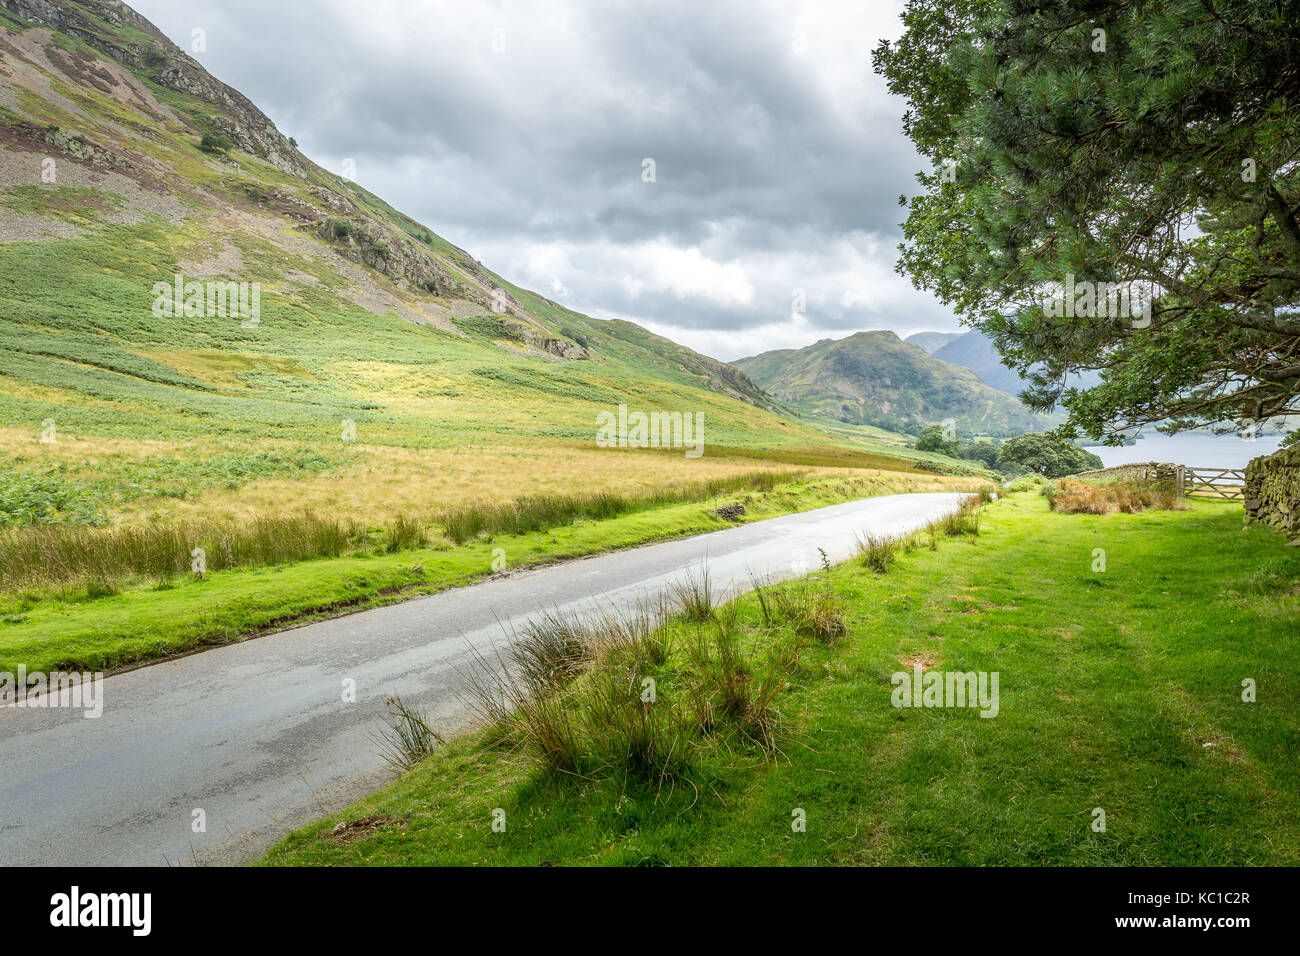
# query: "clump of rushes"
409,738
602,693
405,533
812,611
694,593
965,520
877,552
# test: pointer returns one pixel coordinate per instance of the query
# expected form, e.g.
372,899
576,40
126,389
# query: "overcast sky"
520,131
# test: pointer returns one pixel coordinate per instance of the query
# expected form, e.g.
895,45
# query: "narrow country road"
258,737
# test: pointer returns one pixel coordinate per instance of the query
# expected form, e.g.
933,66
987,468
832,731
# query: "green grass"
99,625
1118,689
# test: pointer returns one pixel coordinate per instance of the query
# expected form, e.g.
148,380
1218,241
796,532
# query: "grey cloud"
769,163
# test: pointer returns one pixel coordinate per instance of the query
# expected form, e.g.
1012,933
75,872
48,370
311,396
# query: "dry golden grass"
78,450
1079,497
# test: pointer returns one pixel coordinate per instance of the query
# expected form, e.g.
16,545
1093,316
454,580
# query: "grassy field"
1121,689
113,627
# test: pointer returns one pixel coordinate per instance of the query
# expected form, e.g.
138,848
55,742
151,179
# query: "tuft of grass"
877,552
965,520
812,609
554,649
694,594
409,738
404,533
601,693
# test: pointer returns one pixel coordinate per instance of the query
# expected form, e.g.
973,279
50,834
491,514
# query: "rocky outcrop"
166,64
370,244
1273,492
561,348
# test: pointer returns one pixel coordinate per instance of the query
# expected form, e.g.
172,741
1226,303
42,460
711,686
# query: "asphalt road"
258,736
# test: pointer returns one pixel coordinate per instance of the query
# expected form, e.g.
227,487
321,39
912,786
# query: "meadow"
1122,689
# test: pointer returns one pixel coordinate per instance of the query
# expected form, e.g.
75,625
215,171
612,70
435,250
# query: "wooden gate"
1214,482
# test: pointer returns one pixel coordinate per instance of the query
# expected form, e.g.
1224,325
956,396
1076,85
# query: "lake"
1191,448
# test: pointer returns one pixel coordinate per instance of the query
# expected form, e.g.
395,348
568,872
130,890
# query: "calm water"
1196,450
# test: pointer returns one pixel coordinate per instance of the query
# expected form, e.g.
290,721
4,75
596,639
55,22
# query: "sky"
725,173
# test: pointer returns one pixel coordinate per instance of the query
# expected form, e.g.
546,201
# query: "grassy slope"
1119,690
83,349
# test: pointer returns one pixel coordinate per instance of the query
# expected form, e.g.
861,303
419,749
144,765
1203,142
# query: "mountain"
127,170
975,351
875,378
932,341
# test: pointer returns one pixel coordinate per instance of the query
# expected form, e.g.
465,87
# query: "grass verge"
108,628
1122,643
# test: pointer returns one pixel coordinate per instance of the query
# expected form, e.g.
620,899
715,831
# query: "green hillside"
209,344
386,368
875,378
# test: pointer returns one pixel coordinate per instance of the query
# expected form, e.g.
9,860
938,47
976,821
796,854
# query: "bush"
215,143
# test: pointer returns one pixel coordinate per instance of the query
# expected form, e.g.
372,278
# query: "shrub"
215,143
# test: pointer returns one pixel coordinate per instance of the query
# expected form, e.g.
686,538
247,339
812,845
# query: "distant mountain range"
974,350
875,378
932,341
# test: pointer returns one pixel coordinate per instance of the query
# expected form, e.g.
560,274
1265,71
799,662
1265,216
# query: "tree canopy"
1114,188
1047,455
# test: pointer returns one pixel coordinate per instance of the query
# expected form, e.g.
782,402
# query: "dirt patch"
924,660
352,830
228,262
